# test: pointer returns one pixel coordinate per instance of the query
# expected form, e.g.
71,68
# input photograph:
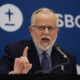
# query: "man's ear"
30,30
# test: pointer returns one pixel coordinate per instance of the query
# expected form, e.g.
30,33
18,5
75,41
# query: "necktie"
45,62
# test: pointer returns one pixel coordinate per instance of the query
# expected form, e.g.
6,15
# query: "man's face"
44,31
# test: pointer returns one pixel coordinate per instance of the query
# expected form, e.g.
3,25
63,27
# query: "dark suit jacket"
15,50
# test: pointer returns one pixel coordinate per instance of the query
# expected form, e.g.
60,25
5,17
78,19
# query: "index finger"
25,52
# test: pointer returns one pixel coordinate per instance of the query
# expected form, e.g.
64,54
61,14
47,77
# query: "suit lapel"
56,60
33,57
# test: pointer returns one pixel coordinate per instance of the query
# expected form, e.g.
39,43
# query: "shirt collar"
41,51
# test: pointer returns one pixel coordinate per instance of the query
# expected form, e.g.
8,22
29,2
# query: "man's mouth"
45,40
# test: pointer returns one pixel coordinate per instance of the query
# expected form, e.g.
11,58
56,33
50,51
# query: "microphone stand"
62,65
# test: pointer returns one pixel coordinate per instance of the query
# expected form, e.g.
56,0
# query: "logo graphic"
10,17
78,69
68,20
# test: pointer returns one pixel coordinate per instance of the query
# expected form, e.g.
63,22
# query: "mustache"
44,36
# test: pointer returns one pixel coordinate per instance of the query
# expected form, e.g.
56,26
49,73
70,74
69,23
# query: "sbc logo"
11,17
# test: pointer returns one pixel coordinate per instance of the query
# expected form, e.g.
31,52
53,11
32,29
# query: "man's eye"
41,27
50,28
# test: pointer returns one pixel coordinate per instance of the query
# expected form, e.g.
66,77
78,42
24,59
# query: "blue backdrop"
69,22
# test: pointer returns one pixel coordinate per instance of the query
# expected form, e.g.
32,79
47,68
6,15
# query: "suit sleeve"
7,60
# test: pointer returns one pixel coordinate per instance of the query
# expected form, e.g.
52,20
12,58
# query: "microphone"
57,48
63,56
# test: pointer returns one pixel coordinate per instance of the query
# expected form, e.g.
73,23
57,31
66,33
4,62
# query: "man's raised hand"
21,64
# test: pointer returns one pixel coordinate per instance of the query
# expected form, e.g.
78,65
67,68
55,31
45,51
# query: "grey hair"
44,10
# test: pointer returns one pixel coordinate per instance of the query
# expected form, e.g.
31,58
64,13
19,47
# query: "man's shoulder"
17,43
16,47
66,52
69,54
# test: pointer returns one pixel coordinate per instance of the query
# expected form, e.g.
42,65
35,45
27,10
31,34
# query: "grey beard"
37,43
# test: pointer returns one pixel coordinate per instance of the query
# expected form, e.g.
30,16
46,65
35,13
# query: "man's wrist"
12,72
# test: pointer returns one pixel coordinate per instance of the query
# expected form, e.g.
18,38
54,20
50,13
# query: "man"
39,54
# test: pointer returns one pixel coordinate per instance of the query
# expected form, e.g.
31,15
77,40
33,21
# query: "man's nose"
46,31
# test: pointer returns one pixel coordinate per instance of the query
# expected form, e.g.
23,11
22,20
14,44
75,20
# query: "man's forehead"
44,13
47,16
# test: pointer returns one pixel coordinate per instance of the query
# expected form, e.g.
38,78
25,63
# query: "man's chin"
45,44
44,47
